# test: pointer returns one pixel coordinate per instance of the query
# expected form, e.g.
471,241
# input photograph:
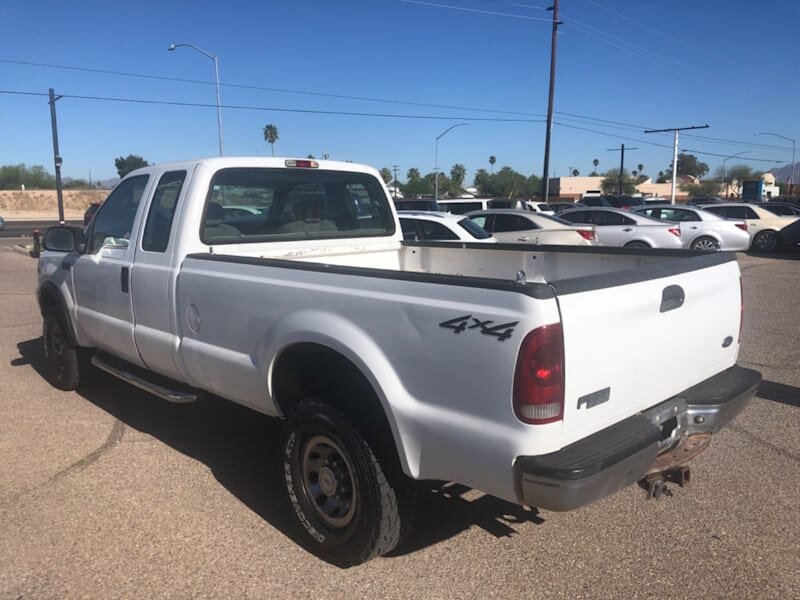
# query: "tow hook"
655,484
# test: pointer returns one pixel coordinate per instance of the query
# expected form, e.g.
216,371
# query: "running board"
126,374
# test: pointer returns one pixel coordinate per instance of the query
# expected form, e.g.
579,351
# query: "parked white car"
762,225
617,227
700,229
532,228
441,226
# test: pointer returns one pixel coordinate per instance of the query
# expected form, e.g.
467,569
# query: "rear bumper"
620,455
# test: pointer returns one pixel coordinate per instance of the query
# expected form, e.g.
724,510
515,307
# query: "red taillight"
539,377
302,164
676,231
587,234
742,226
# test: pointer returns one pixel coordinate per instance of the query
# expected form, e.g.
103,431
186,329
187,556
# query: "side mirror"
62,238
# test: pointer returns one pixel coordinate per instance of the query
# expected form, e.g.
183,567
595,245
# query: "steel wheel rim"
328,481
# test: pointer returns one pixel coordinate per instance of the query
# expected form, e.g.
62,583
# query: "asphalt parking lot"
113,493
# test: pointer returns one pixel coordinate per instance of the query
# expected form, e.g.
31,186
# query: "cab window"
114,221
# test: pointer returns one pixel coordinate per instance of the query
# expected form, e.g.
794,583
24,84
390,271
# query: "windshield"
474,229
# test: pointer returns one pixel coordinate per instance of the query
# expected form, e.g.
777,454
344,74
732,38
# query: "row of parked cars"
722,226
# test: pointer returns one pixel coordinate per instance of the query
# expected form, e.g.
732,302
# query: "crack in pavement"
782,451
114,437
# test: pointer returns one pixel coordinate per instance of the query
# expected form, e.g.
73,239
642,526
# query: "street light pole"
725,172
436,158
791,181
216,81
550,97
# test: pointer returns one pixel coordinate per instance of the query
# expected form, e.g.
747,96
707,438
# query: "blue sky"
625,64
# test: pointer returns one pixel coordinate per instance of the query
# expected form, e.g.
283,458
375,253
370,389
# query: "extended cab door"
101,275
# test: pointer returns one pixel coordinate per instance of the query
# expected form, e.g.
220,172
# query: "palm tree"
492,160
595,162
271,136
640,168
457,174
575,172
634,174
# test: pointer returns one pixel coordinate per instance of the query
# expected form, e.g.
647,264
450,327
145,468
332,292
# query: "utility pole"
546,169
675,151
56,156
394,187
621,151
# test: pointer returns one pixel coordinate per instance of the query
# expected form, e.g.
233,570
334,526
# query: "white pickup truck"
549,376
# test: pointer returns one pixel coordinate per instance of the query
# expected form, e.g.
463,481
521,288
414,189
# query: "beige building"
575,188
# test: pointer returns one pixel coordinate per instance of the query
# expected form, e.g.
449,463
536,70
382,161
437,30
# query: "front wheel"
350,512
65,363
708,244
765,241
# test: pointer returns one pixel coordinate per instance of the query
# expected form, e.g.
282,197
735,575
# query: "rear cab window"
294,204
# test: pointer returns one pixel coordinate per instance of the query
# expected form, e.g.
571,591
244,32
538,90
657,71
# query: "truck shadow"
242,450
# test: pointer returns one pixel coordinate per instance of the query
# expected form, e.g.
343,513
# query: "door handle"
523,239
628,229
671,298
124,279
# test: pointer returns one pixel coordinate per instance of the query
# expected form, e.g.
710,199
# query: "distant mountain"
108,183
782,174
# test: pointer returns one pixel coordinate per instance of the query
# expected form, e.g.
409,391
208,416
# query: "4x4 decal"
502,332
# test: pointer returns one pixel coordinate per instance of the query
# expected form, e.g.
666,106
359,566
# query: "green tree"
13,177
271,136
610,184
596,163
575,172
640,168
492,160
481,181
457,174
386,174
688,164
129,163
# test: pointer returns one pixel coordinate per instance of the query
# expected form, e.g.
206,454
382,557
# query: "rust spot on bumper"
686,450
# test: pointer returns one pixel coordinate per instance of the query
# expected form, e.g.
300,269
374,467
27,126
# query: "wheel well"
50,300
307,370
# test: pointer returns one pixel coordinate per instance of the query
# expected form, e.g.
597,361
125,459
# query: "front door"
101,276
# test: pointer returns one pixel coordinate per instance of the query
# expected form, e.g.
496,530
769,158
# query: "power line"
475,10
283,109
633,126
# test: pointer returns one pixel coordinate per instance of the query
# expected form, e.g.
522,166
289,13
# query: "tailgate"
632,343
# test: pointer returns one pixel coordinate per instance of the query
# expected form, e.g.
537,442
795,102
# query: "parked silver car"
701,229
530,227
617,227
763,226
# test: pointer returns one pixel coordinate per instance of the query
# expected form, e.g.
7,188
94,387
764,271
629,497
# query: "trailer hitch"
655,484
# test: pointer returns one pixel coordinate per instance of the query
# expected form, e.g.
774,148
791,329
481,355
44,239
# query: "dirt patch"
30,203
47,199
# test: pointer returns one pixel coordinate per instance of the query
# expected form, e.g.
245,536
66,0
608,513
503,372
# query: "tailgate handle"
672,297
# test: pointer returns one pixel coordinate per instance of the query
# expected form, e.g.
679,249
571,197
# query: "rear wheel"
706,243
765,241
637,245
349,506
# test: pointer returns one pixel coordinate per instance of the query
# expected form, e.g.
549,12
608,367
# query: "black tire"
348,509
64,361
705,243
637,245
765,241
